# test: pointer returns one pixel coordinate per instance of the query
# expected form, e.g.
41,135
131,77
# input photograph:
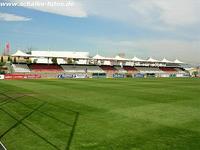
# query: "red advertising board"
21,76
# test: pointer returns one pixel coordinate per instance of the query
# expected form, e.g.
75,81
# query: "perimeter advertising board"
1,77
21,76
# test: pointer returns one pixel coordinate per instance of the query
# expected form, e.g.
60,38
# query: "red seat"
109,69
167,69
129,69
45,68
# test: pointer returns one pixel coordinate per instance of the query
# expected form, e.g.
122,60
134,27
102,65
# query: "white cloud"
170,12
187,51
74,10
12,17
155,14
160,14
112,9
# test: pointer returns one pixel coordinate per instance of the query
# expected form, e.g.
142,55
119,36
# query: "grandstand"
149,70
130,70
121,70
109,69
80,63
73,69
180,70
21,68
52,70
168,69
94,69
82,69
45,68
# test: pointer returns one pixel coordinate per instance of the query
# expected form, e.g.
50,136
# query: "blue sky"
143,28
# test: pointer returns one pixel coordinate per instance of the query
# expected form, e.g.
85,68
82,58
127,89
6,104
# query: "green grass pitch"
100,114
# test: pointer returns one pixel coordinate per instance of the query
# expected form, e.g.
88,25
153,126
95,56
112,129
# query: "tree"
15,60
1,67
75,60
195,73
29,49
28,61
54,60
2,64
28,52
9,58
1,58
35,61
69,61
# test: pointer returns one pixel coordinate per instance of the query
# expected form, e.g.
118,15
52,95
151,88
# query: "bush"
2,63
54,60
69,61
1,58
2,72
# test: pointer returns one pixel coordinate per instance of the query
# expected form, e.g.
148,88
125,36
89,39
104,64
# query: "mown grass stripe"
19,121
46,114
40,136
43,112
56,105
6,100
30,129
72,132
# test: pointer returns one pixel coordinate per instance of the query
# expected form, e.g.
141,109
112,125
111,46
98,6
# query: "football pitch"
100,114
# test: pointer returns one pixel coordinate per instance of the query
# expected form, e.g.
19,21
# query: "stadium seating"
129,64
94,69
74,69
168,69
180,70
149,70
45,68
81,69
130,69
109,69
20,68
120,70
53,70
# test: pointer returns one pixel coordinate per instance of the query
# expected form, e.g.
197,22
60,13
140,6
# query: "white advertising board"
1,77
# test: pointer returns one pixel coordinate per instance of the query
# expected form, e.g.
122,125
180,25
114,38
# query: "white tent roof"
60,54
152,60
119,58
137,59
109,58
98,57
166,61
178,61
85,55
102,58
20,54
